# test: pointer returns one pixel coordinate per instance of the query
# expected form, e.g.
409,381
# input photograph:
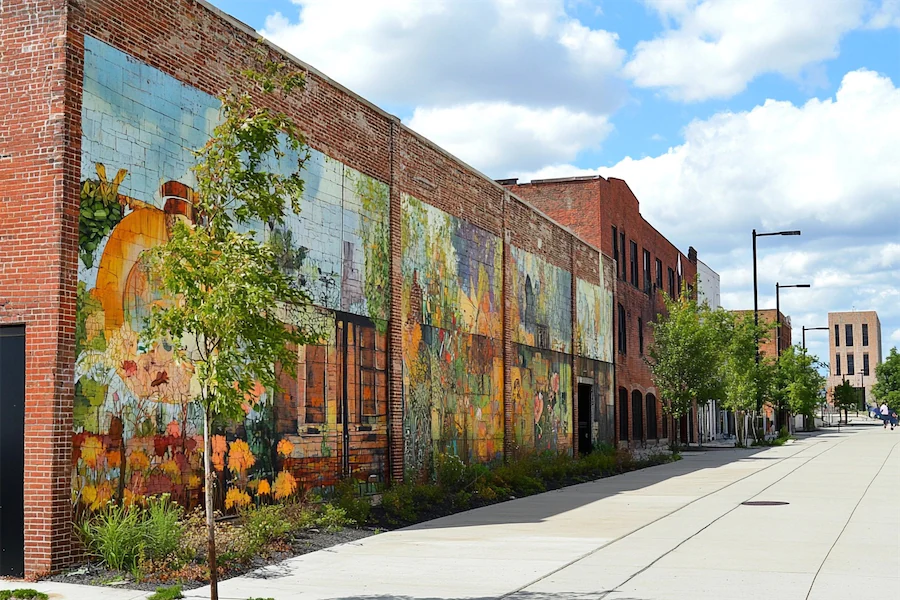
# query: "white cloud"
827,167
886,15
718,46
411,52
895,337
497,136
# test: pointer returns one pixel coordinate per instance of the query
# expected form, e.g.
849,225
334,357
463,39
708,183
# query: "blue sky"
722,116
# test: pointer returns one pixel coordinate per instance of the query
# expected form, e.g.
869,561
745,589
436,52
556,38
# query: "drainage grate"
764,503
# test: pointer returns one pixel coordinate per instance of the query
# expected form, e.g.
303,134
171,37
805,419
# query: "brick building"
768,347
606,213
460,319
854,350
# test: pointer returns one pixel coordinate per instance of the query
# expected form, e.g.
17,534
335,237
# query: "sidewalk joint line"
850,518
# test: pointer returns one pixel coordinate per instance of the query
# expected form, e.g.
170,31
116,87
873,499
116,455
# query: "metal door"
12,451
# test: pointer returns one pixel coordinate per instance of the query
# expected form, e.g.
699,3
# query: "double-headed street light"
778,286
756,297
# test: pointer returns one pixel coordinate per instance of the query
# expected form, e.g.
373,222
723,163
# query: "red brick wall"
591,206
40,137
38,207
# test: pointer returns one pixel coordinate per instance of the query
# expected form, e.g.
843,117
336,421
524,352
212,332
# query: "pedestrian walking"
885,414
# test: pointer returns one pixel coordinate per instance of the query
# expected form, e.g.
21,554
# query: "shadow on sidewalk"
539,507
514,596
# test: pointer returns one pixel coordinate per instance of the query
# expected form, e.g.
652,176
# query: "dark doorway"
637,415
623,414
12,451
585,393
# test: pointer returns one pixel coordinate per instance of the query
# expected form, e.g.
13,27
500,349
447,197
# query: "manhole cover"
764,503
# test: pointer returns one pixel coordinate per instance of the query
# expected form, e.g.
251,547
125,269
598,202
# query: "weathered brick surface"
590,207
42,44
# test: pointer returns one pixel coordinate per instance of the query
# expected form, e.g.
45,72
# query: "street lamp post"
756,299
805,329
778,312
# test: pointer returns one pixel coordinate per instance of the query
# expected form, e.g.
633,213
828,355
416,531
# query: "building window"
837,336
848,334
316,371
850,365
837,363
679,285
622,254
865,334
641,336
622,343
671,283
866,364
615,244
659,283
634,264
648,283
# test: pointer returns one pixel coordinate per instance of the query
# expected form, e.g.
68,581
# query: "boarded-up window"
315,383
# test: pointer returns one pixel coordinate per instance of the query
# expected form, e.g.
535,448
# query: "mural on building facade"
452,348
135,429
542,400
593,325
541,303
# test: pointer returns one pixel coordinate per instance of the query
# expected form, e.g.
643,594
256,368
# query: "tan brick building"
854,350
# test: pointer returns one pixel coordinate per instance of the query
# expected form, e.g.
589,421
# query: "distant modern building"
708,289
712,421
854,348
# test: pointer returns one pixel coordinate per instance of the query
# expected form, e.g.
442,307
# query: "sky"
722,115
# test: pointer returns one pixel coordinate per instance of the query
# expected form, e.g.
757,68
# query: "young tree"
887,381
745,382
798,383
845,398
682,357
232,311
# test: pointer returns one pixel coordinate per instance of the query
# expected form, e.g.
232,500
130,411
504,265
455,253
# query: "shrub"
398,504
263,525
348,498
333,518
122,536
162,530
166,593
22,594
117,535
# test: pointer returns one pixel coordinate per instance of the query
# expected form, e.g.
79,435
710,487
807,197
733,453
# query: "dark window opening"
659,282
634,264
615,245
850,366
837,336
640,336
623,414
671,283
648,283
637,415
622,254
865,370
652,430
865,334
622,339
837,363
848,334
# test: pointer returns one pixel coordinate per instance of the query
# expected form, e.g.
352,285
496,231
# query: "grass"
22,594
167,593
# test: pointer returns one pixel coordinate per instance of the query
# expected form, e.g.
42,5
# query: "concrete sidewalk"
671,532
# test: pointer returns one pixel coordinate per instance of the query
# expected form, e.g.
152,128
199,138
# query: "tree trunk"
210,521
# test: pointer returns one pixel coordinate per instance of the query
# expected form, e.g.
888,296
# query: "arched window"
637,415
652,431
623,414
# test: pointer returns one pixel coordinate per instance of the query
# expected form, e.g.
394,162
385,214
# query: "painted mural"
452,348
542,400
135,429
593,326
541,304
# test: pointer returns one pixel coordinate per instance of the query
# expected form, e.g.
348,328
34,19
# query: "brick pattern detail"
590,207
42,44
